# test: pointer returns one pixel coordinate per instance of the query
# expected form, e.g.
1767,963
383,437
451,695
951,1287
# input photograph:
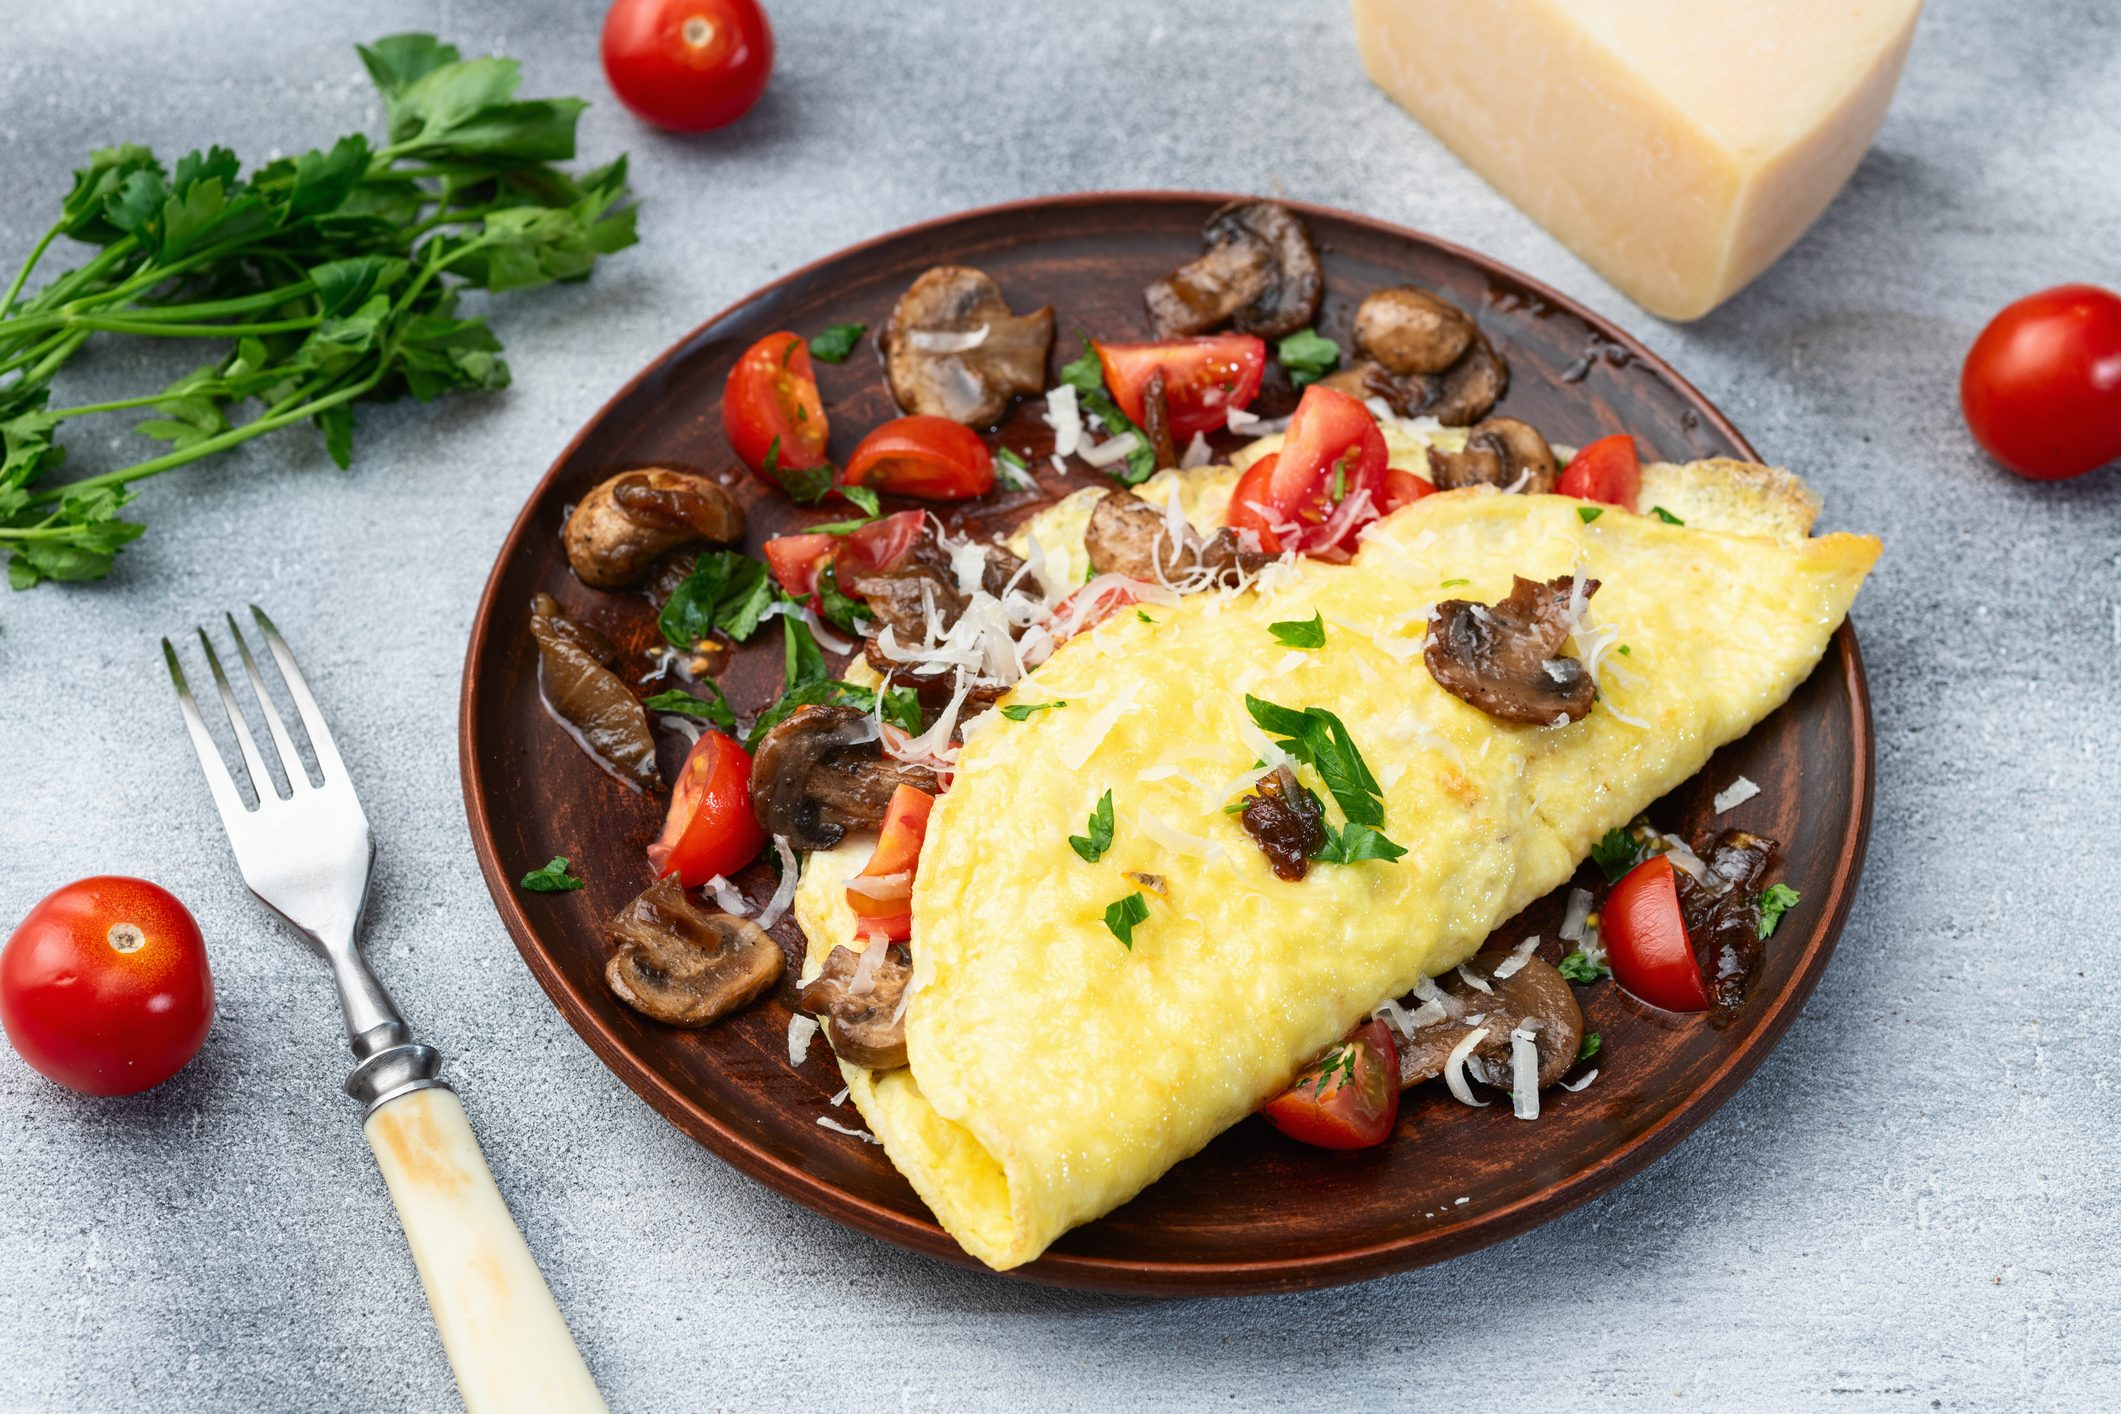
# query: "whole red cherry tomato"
932,458
771,409
2042,384
687,65
1348,1098
1646,940
105,988
710,829
1607,470
1204,378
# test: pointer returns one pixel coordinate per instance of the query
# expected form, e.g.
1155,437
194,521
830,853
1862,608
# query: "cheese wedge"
1678,146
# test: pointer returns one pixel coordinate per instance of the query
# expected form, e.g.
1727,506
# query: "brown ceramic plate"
1253,1212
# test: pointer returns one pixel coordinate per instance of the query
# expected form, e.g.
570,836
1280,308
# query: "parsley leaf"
1301,633
1587,514
1620,851
1776,900
551,879
1308,355
1123,916
1335,1069
1022,711
806,487
1143,615
1591,1042
1005,454
1356,844
1092,847
838,609
863,499
807,683
1578,967
725,591
1666,516
836,342
715,709
1321,739
1085,374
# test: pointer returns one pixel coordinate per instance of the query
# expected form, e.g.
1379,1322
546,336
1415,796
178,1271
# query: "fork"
307,855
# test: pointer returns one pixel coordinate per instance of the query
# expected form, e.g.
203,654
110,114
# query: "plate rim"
1220,1277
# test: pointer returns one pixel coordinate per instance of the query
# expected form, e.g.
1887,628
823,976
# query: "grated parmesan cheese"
1735,795
801,1029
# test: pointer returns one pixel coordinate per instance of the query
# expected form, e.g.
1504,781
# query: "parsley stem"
36,253
113,324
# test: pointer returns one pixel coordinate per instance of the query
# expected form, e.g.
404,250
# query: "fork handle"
507,1342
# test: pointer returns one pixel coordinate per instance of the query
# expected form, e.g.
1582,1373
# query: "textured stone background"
1912,1205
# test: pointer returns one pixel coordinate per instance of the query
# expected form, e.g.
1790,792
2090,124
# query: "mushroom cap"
1505,658
1534,991
622,526
1458,397
1409,330
683,965
1131,536
823,772
865,1021
972,384
583,692
1259,274
1498,452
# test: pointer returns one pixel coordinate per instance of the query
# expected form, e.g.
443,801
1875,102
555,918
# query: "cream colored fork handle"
506,1339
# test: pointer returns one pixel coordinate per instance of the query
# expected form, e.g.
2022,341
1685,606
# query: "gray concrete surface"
1913,1205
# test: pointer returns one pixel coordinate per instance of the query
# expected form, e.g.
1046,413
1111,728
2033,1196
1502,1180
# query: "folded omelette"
1053,1071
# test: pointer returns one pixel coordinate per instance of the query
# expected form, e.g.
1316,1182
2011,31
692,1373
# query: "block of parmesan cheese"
1679,146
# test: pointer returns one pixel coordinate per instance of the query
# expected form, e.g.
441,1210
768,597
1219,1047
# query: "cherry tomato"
687,65
879,544
1607,470
770,406
1404,488
932,458
2042,384
1249,510
1646,941
1348,1098
1089,606
1333,451
884,908
710,829
798,560
105,988
1203,378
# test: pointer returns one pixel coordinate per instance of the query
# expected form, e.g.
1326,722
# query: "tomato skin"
798,560
710,829
771,397
1347,1112
931,458
898,851
94,1018
1248,496
1328,432
1404,488
1646,939
1607,470
1204,378
2041,388
687,65
879,544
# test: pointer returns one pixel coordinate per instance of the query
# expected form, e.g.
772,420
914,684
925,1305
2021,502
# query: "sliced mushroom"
580,688
1259,275
1130,536
953,348
683,965
1156,421
864,1014
621,527
1501,452
1722,912
922,578
1408,330
1534,992
1286,820
1505,658
823,772
1457,397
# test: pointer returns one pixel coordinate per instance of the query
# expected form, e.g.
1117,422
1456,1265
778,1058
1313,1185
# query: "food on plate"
1348,1098
1258,275
1605,470
105,988
774,418
2041,388
862,995
927,458
1132,538
823,771
710,832
622,527
1469,1019
1507,659
685,965
687,65
1500,452
575,676
1422,356
1679,150
1410,330
954,349
1197,382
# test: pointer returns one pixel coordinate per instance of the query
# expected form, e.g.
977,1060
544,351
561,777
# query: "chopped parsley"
1591,1042
1087,376
1355,844
1335,1069
1587,514
1627,650
725,591
1301,633
1620,851
1776,900
1092,846
1308,355
805,682
806,487
863,499
1320,740
715,709
838,527
1125,915
552,879
837,342
1666,516
1013,459
1453,583
1022,711
838,608
1143,615
1578,967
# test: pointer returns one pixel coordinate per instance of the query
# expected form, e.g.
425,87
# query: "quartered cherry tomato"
1332,455
1348,1098
770,406
798,560
105,988
1404,488
1203,378
688,65
1607,470
710,829
1646,940
884,905
2042,384
931,458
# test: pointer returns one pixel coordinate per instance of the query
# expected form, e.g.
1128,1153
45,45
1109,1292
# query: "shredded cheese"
1454,1068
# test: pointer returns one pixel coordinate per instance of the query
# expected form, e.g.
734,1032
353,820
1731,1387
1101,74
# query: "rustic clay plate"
1254,1211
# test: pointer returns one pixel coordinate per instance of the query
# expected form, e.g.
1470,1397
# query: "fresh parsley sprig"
1092,846
1308,356
1123,916
715,709
836,342
1022,711
1300,633
806,682
1776,900
727,591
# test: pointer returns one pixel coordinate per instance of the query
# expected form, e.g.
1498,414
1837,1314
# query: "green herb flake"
1125,915
1320,740
1618,852
1587,514
1092,846
861,498
1300,633
1335,1069
1591,1042
1776,900
1627,651
1308,356
725,591
715,709
552,879
1578,967
838,527
1024,711
1666,516
1453,583
847,614
1013,459
836,342
1085,374
808,486
1143,615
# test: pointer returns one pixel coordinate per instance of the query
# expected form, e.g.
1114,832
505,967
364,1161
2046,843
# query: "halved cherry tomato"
710,829
883,908
797,560
1646,941
1348,1098
1203,378
2041,388
1328,480
932,458
105,988
688,65
879,544
1607,470
770,405
1404,488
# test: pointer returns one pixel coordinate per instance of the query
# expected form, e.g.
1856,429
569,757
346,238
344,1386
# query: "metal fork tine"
261,781
227,799
328,763
290,759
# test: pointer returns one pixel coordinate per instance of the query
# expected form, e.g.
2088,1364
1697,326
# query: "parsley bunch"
331,278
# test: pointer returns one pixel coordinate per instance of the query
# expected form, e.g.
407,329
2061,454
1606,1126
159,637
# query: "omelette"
1054,1069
